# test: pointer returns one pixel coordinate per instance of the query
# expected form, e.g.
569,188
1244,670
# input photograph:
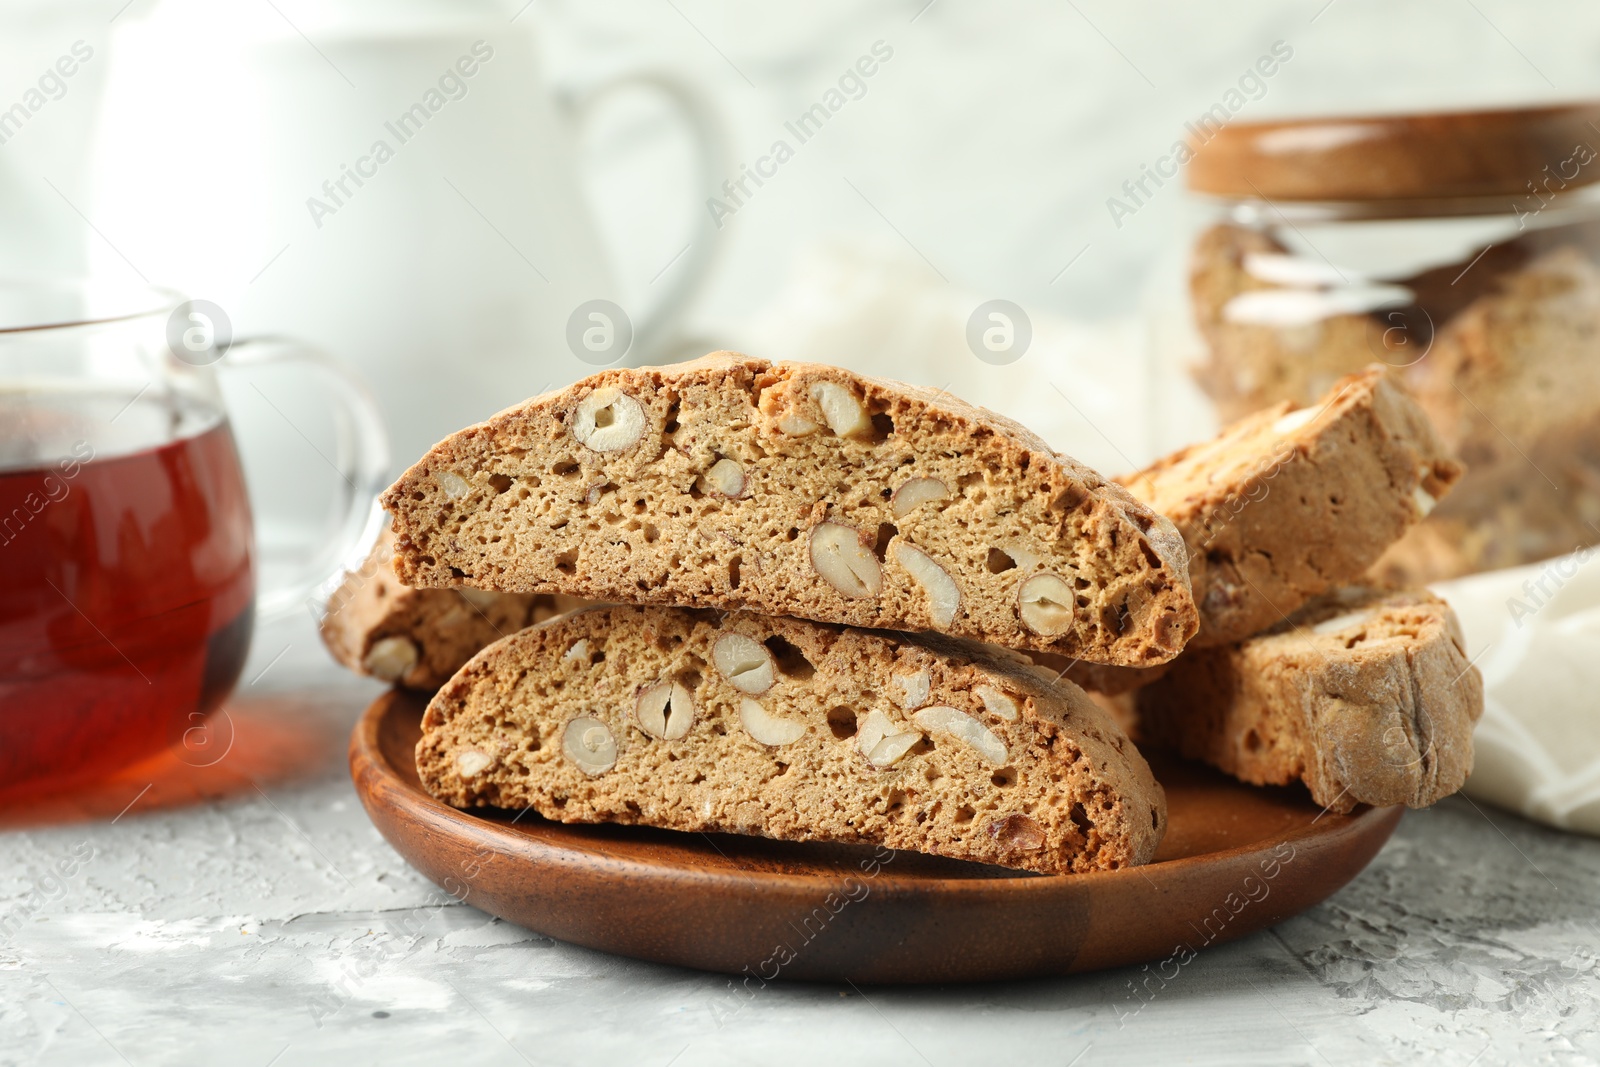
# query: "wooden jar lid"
1391,157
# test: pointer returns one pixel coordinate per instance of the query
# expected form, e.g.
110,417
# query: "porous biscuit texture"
1365,696
1289,502
797,489
703,721
418,638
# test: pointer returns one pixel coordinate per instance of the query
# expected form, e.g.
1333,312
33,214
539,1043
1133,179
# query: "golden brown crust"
1365,696
1050,784
537,509
421,636
1288,503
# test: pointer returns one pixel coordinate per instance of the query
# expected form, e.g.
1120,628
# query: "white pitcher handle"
361,461
658,326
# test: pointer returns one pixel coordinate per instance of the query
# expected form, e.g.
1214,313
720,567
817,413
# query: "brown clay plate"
1236,859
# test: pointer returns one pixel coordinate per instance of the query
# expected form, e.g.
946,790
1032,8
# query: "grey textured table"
242,910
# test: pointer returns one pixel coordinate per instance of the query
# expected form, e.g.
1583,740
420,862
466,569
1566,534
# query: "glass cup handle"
658,324
361,458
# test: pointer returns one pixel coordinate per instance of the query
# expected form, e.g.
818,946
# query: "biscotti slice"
797,489
1290,502
703,721
418,638
1366,696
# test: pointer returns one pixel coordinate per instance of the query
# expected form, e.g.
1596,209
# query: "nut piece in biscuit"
665,710
725,478
881,743
842,556
797,425
958,724
915,493
608,420
996,702
944,597
767,728
390,658
915,687
588,743
1017,833
843,412
471,762
1045,604
745,663
455,487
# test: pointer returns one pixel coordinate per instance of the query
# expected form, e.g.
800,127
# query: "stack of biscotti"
1498,350
1300,671
759,516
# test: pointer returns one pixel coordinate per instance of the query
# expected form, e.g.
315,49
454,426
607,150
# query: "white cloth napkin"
1533,631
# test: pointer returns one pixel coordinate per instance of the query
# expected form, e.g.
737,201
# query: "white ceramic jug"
391,181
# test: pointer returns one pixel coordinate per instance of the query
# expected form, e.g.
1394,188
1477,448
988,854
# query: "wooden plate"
1235,859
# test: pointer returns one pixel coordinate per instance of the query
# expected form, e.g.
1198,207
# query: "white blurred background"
974,163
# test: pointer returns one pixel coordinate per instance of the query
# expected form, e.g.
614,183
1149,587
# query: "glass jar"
1461,250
